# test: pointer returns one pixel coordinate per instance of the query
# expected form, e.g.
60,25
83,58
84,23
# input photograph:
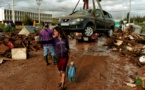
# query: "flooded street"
101,69
98,68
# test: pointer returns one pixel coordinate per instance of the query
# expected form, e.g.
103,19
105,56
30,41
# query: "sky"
59,8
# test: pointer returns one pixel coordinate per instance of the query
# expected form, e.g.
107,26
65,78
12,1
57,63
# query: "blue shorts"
48,49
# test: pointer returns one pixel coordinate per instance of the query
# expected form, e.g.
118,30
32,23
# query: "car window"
106,15
83,12
110,16
99,12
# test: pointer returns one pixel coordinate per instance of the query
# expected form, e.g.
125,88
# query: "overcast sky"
58,8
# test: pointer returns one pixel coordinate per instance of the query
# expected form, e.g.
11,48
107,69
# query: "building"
6,15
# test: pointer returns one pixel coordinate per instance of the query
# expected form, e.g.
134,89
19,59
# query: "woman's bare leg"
62,79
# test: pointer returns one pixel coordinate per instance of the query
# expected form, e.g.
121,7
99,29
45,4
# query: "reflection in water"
77,46
82,45
113,62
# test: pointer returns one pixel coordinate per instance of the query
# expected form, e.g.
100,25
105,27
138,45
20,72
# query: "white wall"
44,17
1,14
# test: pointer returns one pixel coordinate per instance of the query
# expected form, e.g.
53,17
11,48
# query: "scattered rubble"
128,44
130,84
13,41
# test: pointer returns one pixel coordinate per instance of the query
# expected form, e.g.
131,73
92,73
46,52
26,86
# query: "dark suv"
84,21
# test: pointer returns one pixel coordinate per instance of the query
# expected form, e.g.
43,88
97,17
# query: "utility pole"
122,10
122,15
38,3
13,12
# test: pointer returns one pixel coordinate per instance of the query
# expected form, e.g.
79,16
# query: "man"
45,35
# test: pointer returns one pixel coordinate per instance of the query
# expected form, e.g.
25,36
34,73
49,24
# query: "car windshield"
82,12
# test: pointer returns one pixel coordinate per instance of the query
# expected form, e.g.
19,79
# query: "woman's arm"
47,41
67,44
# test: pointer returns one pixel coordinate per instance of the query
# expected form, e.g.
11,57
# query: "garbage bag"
71,72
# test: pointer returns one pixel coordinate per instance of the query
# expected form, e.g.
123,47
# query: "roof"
31,29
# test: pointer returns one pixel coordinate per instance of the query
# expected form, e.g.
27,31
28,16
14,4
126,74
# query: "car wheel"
110,32
89,30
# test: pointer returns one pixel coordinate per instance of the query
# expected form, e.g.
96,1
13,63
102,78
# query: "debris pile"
128,44
13,40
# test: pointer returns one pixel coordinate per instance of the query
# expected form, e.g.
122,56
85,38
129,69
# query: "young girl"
61,46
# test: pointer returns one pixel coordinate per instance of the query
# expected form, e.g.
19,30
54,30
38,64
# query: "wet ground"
98,68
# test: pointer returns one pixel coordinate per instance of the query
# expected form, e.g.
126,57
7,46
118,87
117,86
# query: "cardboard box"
19,53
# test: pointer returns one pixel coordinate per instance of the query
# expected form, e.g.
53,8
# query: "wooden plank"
7,59
1,61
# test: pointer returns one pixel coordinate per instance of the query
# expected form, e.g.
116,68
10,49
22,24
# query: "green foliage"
143,27
9,29
36,21
121,22
127,16
139,19
53,24
2,26
27,20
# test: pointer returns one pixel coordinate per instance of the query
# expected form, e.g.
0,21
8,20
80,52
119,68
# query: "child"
71,71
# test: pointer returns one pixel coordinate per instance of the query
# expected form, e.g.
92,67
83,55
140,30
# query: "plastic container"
142,59
37,38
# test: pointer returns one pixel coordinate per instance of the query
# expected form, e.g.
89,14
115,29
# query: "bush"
9,29
2,26
143,27
27,20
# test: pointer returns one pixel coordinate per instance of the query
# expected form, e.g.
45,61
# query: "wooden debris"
128,44
1,61
3,48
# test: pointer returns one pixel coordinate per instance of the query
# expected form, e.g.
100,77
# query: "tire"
89,30
110,32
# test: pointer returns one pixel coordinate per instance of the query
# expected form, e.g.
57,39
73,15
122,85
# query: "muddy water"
98,68
107,71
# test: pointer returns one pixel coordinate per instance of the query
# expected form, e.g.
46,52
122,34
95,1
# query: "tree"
127,16
27,20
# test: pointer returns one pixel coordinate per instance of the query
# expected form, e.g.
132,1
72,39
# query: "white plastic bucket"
142,59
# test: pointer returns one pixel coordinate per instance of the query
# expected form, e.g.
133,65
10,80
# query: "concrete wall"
1,14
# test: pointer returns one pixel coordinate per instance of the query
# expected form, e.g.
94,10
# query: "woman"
62,50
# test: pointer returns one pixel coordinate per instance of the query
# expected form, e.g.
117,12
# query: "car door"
100,22
107,20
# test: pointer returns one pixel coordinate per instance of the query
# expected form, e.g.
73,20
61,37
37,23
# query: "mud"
98,68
